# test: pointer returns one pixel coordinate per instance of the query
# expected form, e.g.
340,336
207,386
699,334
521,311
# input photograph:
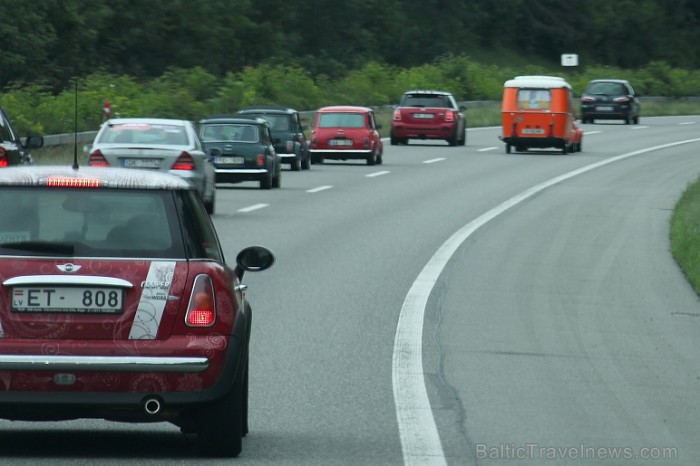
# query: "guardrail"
87,137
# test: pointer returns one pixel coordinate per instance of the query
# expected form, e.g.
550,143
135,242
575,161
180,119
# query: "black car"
241,149
287,134
610,99
12,150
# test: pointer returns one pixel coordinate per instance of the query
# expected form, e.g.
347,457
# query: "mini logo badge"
69,268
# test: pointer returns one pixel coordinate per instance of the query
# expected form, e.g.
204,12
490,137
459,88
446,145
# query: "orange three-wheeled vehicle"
538,112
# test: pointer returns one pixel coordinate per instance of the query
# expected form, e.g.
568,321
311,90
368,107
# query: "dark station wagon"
117,303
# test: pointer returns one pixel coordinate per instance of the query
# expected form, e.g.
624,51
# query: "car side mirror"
254,259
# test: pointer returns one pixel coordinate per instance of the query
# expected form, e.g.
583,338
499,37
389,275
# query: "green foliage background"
194,93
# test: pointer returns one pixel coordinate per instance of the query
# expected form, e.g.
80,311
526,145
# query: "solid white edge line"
253,207
420,441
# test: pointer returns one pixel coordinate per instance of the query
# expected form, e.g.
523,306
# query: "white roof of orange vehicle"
544,82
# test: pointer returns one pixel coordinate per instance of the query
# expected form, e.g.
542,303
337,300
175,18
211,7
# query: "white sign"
569,59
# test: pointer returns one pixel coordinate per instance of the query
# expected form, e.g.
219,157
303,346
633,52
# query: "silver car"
162,144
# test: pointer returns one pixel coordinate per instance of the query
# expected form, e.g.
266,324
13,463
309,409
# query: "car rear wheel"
220,425
508,148
372,158
209,205
266,183
296,163
306,163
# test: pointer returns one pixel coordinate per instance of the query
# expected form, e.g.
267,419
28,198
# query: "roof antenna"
75,128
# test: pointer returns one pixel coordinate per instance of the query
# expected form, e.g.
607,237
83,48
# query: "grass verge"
685,234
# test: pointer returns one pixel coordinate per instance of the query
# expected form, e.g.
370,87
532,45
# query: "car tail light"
586,98
365,143
290,146
449,116
621,99
97,159
397,115
260,160
4,160
201,311
54,182
184,162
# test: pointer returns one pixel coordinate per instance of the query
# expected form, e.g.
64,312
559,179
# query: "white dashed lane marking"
253,207
320,188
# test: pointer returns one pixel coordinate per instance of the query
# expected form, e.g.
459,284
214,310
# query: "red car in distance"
346,133
425,114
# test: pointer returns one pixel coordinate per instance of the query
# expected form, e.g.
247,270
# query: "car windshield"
421,100
229,133
341,120
143,133
606,88
89,222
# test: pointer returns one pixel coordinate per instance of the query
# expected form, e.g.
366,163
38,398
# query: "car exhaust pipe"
152,406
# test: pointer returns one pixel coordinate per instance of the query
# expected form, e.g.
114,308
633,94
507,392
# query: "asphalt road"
551,322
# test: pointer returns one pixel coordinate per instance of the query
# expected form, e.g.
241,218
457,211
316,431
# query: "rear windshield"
89,223
534,99
607,88
140,133
277,122
423,100
223,132
341,120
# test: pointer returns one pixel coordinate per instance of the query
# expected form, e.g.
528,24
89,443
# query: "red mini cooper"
116,303
346,133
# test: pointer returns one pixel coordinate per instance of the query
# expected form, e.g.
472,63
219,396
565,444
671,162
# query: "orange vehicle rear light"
587,99
97,159
201,311
260,160
397,115
621,99
184,162
449,116
4,160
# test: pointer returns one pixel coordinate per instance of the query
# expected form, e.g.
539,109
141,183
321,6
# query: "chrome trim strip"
241,170
286,156
340,151
102,363
88,280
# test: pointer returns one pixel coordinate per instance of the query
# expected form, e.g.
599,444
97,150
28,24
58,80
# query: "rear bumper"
331,154
443,131
227,175
535,142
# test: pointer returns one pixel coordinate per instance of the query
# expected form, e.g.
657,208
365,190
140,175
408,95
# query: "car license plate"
532,131
141,163
604,109
340,142
423,116
67,299
229,160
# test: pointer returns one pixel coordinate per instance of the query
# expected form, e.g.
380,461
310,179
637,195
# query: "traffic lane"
565,322
346,256
325,315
